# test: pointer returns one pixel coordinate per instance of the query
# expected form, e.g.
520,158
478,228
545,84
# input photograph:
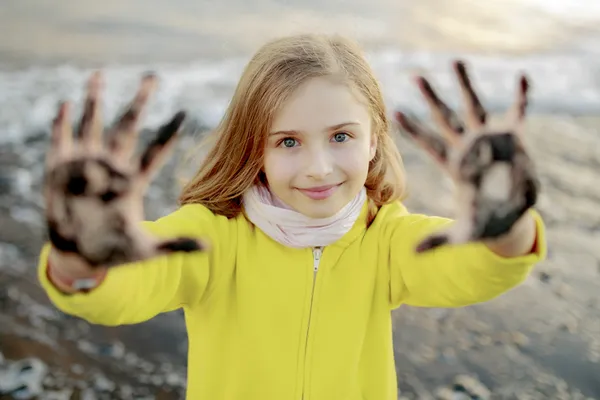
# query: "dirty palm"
94,191
292,245
493,173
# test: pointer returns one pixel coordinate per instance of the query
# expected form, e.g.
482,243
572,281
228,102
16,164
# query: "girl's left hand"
494,175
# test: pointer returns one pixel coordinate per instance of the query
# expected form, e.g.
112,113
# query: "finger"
89,132
475,113
61,242
459,232
432,242
61,139
185,245
155,153
530,190
123,136
429,141
444,117
518,110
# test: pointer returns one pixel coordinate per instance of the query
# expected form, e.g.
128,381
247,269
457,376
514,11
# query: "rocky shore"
539,341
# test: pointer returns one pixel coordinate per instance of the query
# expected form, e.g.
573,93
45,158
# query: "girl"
291,246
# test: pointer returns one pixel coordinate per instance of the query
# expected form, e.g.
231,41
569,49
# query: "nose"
319,163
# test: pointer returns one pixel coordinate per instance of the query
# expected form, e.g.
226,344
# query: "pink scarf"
294,229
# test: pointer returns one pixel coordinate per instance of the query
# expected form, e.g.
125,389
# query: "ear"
373,147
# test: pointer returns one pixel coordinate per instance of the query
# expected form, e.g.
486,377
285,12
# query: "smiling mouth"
320,192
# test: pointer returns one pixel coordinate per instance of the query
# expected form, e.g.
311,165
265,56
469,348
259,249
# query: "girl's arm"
135,292
456,275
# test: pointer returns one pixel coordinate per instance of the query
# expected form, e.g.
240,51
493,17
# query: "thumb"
458,233
182,244
432,242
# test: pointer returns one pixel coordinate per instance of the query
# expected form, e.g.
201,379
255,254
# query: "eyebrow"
329,129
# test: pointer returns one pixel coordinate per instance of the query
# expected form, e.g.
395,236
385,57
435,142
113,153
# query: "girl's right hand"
94,188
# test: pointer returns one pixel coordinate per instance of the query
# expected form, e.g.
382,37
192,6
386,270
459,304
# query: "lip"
320,192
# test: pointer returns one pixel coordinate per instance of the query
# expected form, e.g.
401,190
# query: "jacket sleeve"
452,276
136,292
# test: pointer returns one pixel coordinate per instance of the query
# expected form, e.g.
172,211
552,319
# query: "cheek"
355,159
278,168
356,169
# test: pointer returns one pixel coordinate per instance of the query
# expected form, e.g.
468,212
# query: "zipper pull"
316,257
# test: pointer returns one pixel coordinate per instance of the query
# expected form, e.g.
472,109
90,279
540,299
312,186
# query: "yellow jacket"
267,322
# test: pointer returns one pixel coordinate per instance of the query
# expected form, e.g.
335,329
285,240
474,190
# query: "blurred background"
539,341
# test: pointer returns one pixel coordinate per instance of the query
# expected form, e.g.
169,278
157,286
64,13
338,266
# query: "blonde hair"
235,160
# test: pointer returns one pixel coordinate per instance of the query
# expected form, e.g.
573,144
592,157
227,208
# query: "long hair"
235,160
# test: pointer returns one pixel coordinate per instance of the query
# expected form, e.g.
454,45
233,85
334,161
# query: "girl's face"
319,148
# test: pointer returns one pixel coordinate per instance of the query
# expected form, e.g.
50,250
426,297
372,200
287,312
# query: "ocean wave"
565,82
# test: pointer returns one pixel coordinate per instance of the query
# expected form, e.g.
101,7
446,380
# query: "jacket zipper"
317,252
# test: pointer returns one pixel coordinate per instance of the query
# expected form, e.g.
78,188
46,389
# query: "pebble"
22,379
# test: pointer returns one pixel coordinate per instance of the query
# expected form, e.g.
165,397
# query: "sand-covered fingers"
476,115
89,132
429,141
446,119
94,192
124,134
87,138
183,244
158,149
516,114
458,233
61,139
495,178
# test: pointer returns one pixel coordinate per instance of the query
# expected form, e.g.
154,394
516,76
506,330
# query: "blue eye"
340,137
288,142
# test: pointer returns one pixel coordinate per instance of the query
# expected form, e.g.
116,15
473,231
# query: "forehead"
320,103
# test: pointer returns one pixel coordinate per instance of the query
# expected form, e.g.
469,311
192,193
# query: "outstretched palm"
495,178
94,191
